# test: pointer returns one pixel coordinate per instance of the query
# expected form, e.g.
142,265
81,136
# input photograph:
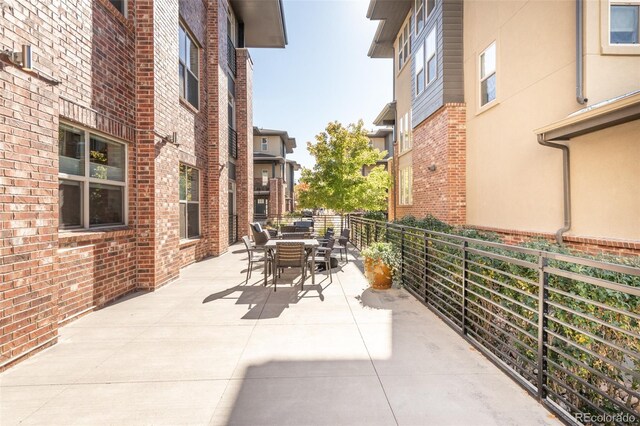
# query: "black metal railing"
232,170
260,185
233,228
233,143
231,56
566,328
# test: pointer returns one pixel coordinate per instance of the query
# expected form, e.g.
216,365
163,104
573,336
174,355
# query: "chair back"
295,236
289,254
288,228
247,245
345,233
329,249
261,238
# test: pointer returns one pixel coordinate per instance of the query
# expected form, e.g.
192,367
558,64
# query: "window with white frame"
419,69
406,139
624,22
419,8
488,75
121,5
92,182
264,145
188,68
265,177
431,4
404,46
432,61
405,189
189,181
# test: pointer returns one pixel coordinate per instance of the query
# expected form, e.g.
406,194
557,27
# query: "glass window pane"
107,159
431,43
183,220
193,58
118,4
192,89
488,61
71,151
624,24
419,59
420,82
70,204
106,204
183,182
193,220
194,185
488,88
183,45
181,73
431,69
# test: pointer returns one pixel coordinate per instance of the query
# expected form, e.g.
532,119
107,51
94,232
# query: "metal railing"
260,185
233,228
566,328
233,143
231,56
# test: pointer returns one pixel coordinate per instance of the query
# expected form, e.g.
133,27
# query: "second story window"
624,24
432,62
404,46
406,140
419,15
121,5
419,74
188,68
264,145
488,75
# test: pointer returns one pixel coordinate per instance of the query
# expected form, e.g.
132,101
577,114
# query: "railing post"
426,268
386,232
465,277
402,254
542,325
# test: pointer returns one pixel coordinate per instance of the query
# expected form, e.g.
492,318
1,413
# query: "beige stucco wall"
512,181
258,168
377,143
275,145
403,99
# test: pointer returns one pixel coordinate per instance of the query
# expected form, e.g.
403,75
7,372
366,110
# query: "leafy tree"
336,181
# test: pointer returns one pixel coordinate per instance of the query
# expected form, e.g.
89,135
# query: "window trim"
428,58
86,180
419,11
405,184
125,7
417,73
605,29
194,43
482,107
186,202
264,144
405,35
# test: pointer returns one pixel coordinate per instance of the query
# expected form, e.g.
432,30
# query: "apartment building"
273,172
517,117
125,149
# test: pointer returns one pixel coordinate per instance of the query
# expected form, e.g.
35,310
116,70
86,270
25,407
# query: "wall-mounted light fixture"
432,168
24,60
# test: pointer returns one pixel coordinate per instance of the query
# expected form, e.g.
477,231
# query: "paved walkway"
208,349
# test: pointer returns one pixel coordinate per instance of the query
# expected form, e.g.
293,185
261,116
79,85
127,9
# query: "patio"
208,349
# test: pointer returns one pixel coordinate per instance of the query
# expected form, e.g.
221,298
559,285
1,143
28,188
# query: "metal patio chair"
254,257
289,255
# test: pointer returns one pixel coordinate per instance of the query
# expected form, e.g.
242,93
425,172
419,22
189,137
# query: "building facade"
125,147
478,88
273,173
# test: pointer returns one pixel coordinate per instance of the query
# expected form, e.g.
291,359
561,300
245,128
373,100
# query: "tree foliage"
336,182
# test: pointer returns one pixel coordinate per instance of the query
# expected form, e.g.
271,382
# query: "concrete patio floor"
208,349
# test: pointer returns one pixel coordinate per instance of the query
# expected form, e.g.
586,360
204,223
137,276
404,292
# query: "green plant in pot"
381,263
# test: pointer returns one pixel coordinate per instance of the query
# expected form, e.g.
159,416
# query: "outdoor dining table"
308,244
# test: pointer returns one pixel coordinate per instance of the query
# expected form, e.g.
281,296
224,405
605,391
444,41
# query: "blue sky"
323,74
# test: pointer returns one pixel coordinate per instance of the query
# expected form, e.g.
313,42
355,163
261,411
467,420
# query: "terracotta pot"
378,274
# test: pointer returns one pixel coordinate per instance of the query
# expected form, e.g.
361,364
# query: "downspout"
566,187
580,53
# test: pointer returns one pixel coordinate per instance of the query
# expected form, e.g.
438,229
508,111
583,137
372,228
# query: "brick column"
244,120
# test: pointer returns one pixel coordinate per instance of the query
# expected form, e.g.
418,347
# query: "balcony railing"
563,327
260,185
231,56
233,143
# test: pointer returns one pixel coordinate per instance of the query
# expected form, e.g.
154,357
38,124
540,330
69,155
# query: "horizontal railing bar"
635,291
501,284
508,274
510,324
503,333
515,314
449,298
434,258
452,255
593,354
505,259
449,280
606,266
593,371
632,354
476,336
455,245
573,392
595,303
594,319
522,305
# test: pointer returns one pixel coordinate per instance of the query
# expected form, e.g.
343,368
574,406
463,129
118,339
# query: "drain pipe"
566,187
580,53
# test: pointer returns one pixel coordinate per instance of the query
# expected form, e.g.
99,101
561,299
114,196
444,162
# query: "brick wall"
439,140
244,125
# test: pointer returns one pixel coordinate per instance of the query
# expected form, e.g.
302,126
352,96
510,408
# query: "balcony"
233,143
231,57
260,185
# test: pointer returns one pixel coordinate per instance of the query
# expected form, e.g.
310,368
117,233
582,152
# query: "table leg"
313,266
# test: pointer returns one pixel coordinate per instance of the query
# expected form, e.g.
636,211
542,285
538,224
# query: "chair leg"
329,268
250,269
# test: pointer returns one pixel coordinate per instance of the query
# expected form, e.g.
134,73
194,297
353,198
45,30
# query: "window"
419,15
624,25
121,5
406,186
188,68
189,182
406,141
265,144
419,76
404,46
92,187
432,62
265,177
488,75
431,4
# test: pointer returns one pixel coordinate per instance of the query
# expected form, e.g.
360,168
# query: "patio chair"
328,235
254,257
343,240
260,236
295,235
323,257
289,255
287,228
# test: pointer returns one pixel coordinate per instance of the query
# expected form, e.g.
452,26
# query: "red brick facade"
117,80
440,140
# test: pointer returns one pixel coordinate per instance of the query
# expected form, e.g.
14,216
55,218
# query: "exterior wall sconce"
432,168
23,59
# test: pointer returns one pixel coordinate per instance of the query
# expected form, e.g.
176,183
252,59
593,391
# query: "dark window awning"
596,117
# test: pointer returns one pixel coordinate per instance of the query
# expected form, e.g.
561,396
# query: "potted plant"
381,261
